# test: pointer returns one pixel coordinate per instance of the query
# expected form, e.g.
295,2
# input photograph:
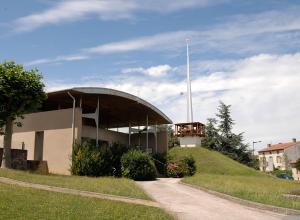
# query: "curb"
276,209
80,192
291,196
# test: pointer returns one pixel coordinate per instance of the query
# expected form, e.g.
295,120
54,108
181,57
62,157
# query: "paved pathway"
79,192
192,204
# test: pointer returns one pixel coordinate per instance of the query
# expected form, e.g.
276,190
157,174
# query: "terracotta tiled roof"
279,146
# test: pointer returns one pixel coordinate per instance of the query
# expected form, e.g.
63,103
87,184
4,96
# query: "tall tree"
21,91
226,122
219,136
211,139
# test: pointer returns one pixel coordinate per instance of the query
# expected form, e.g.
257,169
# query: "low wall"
18,158
38,166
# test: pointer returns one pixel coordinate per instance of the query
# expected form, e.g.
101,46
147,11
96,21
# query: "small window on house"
278,159
278,152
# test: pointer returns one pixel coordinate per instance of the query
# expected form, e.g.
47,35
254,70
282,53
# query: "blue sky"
243,52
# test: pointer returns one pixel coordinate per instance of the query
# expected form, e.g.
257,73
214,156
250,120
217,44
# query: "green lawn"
108,185
219,173
24,203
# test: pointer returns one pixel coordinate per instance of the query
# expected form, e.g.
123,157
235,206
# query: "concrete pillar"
147,134
129,136
155,138
97,123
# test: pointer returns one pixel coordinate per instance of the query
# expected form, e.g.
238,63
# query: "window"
278,159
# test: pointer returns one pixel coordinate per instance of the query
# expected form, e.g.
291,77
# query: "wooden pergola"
190,129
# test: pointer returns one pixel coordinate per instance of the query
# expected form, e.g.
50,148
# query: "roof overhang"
117,108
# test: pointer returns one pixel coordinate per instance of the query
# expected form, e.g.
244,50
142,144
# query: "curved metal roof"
117,108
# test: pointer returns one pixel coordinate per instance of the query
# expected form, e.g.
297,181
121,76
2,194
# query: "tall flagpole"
189,90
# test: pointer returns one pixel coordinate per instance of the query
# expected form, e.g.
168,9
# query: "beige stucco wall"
57,127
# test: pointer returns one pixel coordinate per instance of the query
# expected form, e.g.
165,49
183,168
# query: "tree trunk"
6,160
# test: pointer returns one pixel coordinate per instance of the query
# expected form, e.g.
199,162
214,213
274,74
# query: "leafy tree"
21,91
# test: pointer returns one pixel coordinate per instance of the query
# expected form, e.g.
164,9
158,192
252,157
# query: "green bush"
138,165
89,160
160,161
117,150
180,166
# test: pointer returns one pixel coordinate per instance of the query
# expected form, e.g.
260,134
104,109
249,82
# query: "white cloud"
155,42
155,71
74,10
272,31
262,89
56,60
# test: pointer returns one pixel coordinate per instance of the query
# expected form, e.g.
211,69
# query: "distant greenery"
218,172
297,165
219,137
138,165
180,165
160,161
172,139
23,203
277,171
107,185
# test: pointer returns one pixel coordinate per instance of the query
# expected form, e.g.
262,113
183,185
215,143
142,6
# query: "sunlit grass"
23,203
219,173
108,185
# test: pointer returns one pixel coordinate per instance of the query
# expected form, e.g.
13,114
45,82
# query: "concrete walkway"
192,204
79,192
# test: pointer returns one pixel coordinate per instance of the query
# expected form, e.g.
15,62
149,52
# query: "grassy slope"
24,203
108,185
218,172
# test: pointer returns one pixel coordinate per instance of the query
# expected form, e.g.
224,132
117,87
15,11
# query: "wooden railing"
190,129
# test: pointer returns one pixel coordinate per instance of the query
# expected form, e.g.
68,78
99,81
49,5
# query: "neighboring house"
97,114
295,171
279,156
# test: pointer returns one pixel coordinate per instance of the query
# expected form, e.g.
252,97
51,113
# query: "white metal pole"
187,81
189,90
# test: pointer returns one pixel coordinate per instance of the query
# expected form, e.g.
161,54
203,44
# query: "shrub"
117,150
180,166
160,161
89,160
138,165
